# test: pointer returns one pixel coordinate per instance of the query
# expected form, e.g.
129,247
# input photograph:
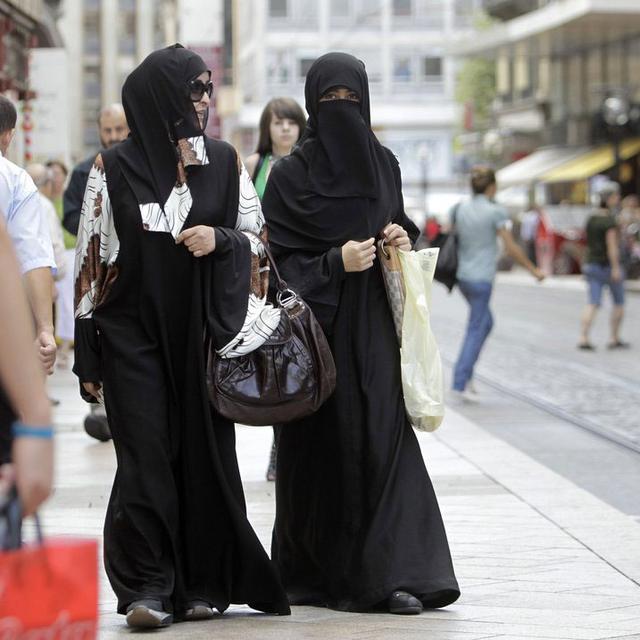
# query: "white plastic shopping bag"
421,366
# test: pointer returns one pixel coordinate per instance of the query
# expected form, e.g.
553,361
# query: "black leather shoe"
404,603
97,427
147,614
198,610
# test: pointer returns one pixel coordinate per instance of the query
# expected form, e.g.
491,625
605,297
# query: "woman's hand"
396,236
94,389
33,471
358,256
200,240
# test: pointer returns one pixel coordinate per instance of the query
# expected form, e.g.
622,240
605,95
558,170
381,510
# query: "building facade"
402,43
105,40
557,62
24,25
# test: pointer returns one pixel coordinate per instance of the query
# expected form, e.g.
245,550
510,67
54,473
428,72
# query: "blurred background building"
567,88
104,41
402,43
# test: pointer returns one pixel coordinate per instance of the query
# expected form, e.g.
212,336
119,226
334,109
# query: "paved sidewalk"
536,556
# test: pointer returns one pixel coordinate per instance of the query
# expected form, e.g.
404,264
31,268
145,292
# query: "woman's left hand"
200,240
396,236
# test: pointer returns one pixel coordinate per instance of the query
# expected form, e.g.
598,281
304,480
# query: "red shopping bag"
49,591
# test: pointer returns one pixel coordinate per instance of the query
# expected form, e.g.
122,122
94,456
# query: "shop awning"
528,170
591,163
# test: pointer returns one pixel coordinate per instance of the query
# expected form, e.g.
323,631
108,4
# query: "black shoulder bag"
285,379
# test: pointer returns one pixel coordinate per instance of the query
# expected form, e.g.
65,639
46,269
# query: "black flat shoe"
147,614
619,344
404,603
97,427
198,610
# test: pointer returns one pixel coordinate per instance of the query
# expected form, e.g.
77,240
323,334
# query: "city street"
546,397
539,552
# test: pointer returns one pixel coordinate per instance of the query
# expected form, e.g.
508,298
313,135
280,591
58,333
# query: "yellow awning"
591,163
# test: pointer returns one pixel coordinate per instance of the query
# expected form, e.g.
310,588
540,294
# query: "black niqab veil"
344,156
159,112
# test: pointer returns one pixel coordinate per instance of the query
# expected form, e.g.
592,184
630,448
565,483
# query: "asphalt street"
576,412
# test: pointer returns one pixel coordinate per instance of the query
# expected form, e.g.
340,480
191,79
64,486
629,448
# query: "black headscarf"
344,156
159,112
339,184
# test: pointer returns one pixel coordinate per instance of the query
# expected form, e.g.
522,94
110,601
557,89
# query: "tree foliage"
476,86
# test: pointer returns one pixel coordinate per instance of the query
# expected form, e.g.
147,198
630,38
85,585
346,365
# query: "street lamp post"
616,113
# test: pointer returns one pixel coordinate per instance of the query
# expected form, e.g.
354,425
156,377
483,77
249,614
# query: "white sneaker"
463,397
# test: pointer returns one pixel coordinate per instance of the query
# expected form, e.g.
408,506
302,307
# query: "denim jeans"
480,324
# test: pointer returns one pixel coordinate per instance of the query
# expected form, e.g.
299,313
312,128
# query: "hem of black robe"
433,595
281,608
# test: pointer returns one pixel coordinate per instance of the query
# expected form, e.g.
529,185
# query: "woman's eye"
352,96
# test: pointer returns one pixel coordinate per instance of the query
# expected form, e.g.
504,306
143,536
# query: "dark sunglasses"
197,89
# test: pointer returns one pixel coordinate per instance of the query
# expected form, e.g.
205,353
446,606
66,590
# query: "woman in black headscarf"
162,261
357,522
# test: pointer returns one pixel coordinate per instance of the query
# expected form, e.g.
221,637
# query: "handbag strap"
282,286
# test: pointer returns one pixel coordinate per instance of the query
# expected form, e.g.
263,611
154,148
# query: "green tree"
476,89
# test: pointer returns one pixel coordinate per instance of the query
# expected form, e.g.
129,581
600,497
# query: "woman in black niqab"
164,258
357,522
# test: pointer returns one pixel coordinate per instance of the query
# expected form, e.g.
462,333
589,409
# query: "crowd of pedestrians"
157,247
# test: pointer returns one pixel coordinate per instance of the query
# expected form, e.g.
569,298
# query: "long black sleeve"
74,195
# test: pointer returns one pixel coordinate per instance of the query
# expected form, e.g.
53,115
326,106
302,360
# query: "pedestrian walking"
602,267
478,224
281,124
43,180
529,224
28,229
64,282
357,521
26,444
112,128
162,261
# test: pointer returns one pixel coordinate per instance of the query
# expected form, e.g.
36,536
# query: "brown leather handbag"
285,379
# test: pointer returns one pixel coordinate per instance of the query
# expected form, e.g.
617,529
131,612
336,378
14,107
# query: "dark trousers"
7,416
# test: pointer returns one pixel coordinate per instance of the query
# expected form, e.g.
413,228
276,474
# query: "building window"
340,8
91,82
304,64
402,7
92,33
402,69
127,33
464,12
431,68
278,8
277,67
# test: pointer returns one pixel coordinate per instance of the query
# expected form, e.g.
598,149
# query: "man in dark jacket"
113,128
112,125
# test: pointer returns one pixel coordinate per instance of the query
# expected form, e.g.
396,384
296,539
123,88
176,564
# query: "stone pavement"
536,556
532,352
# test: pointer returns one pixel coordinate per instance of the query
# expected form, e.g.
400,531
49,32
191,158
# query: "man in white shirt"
29,231
42,177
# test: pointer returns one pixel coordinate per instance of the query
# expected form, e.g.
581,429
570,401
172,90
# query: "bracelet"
21,430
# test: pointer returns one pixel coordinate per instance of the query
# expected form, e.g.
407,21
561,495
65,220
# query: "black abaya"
356,514
176,528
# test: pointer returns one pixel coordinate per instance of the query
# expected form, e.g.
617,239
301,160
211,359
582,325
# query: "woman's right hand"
358,256
94,389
